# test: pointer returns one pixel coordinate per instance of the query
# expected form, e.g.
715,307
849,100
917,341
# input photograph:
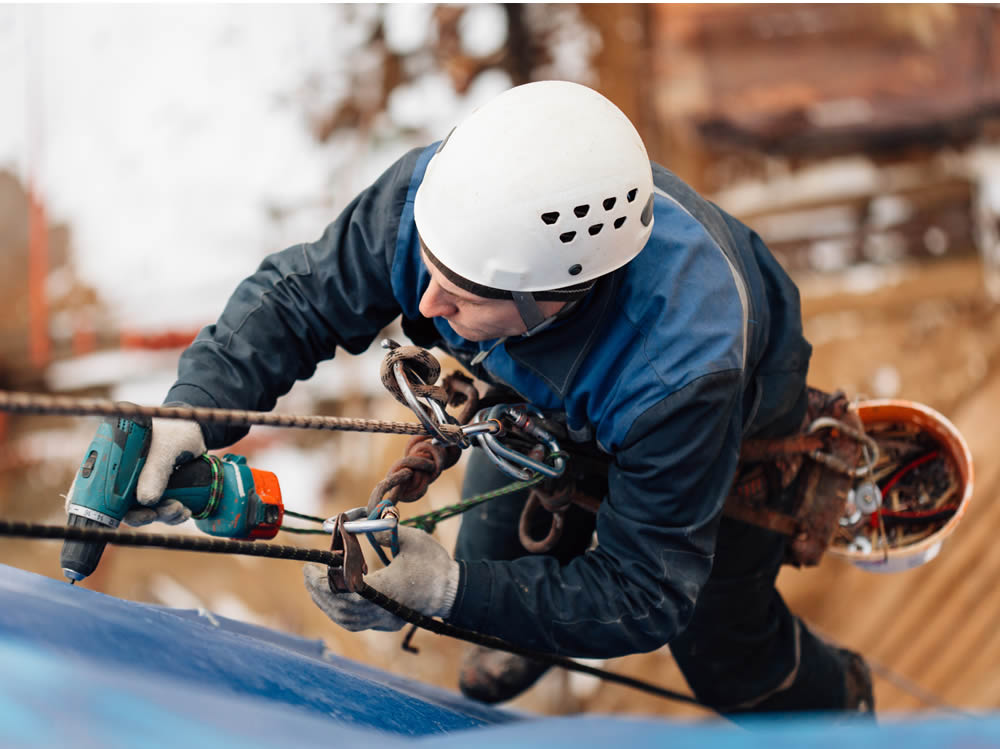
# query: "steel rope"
38,403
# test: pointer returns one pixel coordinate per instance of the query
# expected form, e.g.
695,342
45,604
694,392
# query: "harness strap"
797,485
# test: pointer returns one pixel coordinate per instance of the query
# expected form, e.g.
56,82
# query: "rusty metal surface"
347,576
804,78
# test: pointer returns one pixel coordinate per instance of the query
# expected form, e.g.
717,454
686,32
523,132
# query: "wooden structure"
731,93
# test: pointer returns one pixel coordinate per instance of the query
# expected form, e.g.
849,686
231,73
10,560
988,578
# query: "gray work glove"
174,442
423,576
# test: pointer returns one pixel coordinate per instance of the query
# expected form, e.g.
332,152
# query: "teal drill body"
226,497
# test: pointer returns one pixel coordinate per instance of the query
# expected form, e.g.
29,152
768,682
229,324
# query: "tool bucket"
898,559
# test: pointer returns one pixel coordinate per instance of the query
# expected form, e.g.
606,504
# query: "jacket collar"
555,355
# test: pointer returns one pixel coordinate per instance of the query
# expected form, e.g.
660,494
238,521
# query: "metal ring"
492,426
860,543
357,522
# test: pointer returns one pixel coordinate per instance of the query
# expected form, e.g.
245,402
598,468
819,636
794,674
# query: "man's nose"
435,303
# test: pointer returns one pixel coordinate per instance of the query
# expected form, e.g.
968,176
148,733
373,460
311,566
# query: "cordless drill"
226,497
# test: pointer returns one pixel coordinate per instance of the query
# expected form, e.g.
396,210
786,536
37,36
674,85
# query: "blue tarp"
82,669
85,659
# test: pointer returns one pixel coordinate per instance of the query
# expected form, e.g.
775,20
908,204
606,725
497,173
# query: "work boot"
492,676
858,678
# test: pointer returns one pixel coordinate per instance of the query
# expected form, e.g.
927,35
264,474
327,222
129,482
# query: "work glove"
422,576
173,442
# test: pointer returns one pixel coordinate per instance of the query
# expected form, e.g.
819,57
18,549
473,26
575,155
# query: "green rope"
313,518
429,520
304,531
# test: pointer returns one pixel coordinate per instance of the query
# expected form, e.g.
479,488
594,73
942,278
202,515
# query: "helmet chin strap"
531,314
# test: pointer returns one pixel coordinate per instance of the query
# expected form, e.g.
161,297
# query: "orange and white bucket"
898,559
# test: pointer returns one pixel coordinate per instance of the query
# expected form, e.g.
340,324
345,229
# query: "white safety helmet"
538,193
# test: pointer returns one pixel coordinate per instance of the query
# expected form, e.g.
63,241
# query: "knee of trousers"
731,671
801,673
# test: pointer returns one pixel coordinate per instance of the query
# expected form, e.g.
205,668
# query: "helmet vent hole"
581,210
609,203
631,194
567,236
595,229
619,221
551,217
574,270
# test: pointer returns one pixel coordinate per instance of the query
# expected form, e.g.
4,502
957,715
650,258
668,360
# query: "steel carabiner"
406,388
357,521
512,462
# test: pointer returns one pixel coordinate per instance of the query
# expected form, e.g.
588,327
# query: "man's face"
475,318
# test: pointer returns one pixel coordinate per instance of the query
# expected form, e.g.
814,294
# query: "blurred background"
150,156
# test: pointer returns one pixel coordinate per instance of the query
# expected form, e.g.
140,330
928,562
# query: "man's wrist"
192,396
450,592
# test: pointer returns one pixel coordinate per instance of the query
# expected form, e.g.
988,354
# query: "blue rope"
375,514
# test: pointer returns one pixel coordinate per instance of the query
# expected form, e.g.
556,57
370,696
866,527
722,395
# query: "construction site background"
860,141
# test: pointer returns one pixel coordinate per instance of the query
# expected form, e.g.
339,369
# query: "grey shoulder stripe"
741,288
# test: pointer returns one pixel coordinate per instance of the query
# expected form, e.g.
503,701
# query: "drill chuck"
79,558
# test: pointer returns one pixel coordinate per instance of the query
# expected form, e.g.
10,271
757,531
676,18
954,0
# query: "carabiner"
357,521
406,388
512,462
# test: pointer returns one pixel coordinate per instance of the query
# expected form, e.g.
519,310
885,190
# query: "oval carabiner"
357,521
432,426
512,462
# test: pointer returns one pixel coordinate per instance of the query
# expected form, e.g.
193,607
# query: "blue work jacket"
669,363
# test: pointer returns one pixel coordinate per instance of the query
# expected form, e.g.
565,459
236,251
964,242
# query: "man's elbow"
657,621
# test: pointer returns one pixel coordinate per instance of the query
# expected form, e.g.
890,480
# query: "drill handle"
191,483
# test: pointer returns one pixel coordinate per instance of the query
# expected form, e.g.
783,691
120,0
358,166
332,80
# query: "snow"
139,373
176,140
431,104
408,27
177,143
483,29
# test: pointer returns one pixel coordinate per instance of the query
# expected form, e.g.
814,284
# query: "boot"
858,678
492,676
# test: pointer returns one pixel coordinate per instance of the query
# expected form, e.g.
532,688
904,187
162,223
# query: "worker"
540,247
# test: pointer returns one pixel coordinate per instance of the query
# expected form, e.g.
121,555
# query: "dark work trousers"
743,650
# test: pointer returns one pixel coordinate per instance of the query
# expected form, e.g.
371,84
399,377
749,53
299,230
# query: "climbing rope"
429,520
296,553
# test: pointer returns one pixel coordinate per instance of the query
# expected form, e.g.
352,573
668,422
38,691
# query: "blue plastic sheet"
84,658
82,669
